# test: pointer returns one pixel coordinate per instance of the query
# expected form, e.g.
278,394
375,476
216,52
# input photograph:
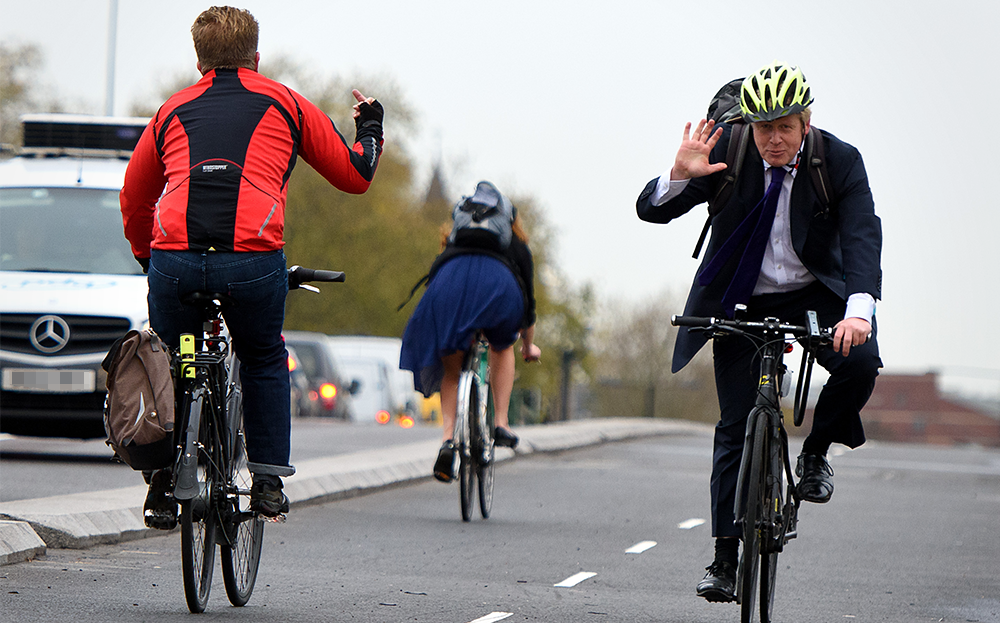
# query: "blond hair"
225,37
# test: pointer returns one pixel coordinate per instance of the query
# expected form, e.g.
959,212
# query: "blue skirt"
468,293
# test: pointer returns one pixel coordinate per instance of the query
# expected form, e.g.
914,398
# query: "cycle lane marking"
694,522
640,547
575,579
493,616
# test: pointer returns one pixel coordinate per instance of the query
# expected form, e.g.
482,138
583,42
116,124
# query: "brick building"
907,407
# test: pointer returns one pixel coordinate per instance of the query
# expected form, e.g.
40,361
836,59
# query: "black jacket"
842,249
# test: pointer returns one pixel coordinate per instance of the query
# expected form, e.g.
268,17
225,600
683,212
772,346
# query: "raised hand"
692,156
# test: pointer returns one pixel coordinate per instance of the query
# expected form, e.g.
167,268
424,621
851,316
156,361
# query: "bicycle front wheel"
488,453
773,536
753,515
243,533
198,514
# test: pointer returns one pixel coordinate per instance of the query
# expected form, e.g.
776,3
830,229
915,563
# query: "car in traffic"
69,285
375,357
328,390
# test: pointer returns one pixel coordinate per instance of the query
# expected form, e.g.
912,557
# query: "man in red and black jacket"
204,209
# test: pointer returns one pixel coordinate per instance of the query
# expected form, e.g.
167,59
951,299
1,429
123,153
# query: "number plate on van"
46,380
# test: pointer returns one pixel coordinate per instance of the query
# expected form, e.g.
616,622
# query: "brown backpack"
139,410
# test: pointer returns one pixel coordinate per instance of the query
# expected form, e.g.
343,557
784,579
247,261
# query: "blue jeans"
257,284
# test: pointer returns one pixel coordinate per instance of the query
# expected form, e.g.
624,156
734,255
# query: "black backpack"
725,108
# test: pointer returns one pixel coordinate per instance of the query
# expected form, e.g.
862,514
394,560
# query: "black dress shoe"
444,466
719,584
815,478
503,437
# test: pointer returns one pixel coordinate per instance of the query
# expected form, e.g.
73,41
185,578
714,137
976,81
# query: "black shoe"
444,466
815,478
504,437
719,584
160,509
266,496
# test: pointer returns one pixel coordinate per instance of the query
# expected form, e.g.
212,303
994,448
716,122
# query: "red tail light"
328,393
406,421
383,417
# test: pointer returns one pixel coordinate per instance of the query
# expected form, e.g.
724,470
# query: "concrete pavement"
28,527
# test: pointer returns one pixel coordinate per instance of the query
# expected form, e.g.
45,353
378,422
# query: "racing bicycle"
473,432
211,477
767,503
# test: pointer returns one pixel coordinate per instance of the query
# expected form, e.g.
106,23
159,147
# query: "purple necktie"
757,227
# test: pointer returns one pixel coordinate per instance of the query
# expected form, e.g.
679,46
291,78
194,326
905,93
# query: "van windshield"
73,230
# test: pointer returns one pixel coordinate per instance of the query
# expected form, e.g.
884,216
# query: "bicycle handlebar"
811,336
298,275
813,329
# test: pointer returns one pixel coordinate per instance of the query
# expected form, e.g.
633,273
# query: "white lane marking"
694,522
640,547
493,616
573,580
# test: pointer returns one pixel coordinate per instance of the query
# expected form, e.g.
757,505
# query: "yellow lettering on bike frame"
187,354
764,379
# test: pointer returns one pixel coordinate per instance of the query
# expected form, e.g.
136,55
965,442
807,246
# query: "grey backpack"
139,409
484,220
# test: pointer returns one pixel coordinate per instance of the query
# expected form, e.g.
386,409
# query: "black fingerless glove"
369,113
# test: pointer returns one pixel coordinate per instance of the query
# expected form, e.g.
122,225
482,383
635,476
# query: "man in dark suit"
810,257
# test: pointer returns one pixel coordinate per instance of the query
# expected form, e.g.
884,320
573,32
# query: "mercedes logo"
49,334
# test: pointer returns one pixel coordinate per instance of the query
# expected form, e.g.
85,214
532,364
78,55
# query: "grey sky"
580,104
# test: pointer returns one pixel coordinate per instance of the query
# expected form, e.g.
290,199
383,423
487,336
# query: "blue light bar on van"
53,132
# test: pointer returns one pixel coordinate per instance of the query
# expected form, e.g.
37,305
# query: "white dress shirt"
781,270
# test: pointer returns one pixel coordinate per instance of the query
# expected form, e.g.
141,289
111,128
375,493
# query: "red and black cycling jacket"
220,153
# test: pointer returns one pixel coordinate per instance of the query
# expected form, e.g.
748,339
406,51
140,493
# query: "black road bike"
211,477
767,503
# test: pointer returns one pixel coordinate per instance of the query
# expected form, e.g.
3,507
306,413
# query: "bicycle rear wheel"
753,515
243,530
198,514
468,400
488,453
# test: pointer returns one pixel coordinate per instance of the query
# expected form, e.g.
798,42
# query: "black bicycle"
767,504
473,432
211,478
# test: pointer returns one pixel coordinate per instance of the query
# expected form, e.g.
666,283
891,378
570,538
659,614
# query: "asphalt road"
32,467
912,535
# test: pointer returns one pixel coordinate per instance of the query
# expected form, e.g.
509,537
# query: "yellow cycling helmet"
776,90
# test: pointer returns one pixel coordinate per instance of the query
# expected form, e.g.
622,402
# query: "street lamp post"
109,96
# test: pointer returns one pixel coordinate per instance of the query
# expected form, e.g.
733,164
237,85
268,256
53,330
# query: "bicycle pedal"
280,518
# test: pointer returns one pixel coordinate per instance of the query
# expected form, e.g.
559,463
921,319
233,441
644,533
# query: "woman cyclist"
476,283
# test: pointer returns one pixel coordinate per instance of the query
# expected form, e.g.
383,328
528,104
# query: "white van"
372,357
69,286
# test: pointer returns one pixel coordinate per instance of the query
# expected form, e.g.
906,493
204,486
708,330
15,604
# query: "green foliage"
19,93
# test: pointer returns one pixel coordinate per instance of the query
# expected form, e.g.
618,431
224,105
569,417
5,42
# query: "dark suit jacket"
842,249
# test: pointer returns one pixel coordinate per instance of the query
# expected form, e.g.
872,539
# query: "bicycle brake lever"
306,286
